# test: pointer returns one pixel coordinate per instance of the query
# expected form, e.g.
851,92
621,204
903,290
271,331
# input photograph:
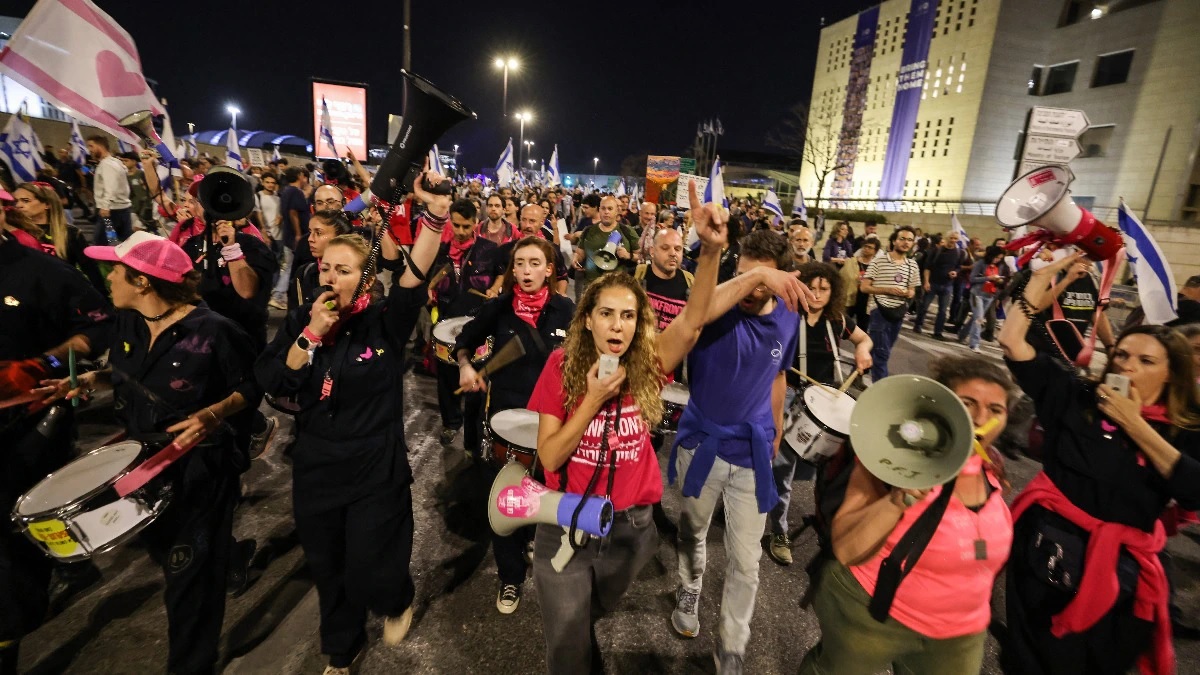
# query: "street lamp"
457,169
233,110
523,117
506,63
595,163
528,149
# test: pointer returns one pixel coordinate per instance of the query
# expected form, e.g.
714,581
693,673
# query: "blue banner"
856,102
909,82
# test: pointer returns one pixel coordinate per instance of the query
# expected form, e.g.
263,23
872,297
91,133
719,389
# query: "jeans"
590,585
980,302
883,334
940,292
787,467
743,529
853,643
285,256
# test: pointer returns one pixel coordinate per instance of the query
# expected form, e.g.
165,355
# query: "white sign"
1050,149
1061,122
681,194
255,155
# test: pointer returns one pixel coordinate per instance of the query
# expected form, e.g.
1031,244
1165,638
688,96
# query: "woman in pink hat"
179,370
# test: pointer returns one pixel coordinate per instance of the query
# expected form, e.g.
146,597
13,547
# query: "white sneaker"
508,599
395,628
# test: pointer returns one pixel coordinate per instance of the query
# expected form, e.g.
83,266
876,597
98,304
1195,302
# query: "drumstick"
437,276
478,292
850,381
74,374
511,351
812,381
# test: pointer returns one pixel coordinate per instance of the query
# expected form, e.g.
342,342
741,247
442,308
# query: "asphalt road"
119,625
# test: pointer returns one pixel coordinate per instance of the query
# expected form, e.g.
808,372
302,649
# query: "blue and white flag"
555,178
620,192
798,207
275,156
19,149
190,150
78,146
123,147
327,128
435,160
1155,284
504,167
715,191
771,203
233,156
957,228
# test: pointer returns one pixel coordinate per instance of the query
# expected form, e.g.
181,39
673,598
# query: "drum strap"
802,348
802,344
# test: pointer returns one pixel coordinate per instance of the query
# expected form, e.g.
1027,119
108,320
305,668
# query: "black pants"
27,455
122,222
1108,648
459,411
511,565
191,542
358,555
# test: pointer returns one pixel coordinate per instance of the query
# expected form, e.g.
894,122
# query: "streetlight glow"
499,63
233,110
506,64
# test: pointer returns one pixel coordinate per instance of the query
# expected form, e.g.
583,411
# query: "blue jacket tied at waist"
694,426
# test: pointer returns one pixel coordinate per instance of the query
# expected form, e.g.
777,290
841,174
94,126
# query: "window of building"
1112,68
1095,141
1056,79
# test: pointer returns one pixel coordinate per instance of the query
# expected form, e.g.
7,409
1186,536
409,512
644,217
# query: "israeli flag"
1155,284
233,156
771,203
79,151
715,191
327,127
190,149
435,160
798,207
19,149
504,167
620,188
275,156
957,227
554,175
123,147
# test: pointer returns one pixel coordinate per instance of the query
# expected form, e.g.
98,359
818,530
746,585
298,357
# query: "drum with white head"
818,423
514,436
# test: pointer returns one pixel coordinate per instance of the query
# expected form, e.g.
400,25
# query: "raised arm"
1018,316
437,213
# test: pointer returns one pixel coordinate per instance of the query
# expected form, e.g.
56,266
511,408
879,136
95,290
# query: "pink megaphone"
1041,198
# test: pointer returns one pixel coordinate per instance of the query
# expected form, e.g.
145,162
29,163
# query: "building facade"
1130,65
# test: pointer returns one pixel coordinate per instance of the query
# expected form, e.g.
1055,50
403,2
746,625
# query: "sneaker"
395,628
448,435
780,549
939,337
685,618
728,663
237,578
917,330
277,303
259,441
508,599
977,350
330,670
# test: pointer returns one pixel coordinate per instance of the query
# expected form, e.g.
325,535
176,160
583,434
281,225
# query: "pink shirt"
948,592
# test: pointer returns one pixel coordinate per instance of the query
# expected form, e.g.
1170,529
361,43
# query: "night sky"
607,79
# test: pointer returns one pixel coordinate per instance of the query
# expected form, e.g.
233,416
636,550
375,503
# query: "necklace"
160,317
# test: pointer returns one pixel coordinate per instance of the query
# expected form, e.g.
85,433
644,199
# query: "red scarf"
1156,413
459,251
359,305
528,306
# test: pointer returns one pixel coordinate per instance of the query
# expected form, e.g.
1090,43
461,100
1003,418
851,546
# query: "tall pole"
504,106
407,59
521,116
1157,170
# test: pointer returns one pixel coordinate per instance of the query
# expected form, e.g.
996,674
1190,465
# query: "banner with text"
909,83
347,116
856,102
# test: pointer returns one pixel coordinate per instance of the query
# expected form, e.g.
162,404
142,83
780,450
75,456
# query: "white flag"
957,227
504,167
233,156
1155,282
771,203
554,176
798,207
71,53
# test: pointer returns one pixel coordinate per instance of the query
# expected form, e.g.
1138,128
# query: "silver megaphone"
606,258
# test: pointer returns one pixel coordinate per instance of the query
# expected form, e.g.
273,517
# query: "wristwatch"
305,344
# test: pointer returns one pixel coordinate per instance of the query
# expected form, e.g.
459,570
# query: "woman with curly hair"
594,438
826,324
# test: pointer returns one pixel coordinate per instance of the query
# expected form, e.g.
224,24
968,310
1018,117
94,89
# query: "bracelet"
311,336
214,415
434,223
232,253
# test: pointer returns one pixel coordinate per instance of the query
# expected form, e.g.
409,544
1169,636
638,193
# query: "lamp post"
523,117
457,169
233,110
506,63
528,149
595,165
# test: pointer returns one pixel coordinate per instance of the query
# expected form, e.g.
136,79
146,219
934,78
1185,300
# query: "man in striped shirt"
891,281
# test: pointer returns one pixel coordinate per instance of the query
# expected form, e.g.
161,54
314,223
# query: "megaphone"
517,500
1041,198
428,113
911,432
606,258
225,194
141,123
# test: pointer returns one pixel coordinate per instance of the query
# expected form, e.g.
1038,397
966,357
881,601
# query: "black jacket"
481,266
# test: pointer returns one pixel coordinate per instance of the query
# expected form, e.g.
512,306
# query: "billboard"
345,109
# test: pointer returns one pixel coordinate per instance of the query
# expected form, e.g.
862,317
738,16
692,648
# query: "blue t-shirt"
732,366
292,198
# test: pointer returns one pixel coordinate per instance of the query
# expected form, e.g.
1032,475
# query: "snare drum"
445,334
818,423
514,436
74,514
675,398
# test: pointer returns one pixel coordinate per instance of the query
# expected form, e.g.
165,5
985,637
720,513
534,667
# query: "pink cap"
5,197
147,253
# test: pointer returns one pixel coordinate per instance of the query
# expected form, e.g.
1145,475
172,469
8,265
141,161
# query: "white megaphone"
517,500
606,258
1041,198
911,432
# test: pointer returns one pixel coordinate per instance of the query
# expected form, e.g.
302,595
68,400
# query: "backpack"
639,275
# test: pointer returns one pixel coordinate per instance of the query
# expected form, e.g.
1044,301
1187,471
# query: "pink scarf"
528,306
459,251
360,304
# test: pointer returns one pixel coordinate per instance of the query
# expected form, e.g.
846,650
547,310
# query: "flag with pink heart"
74,55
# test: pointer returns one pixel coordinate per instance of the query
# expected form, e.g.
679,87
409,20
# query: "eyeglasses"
908,239
328,202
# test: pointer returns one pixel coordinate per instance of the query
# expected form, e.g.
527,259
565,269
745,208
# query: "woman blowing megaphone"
937,619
